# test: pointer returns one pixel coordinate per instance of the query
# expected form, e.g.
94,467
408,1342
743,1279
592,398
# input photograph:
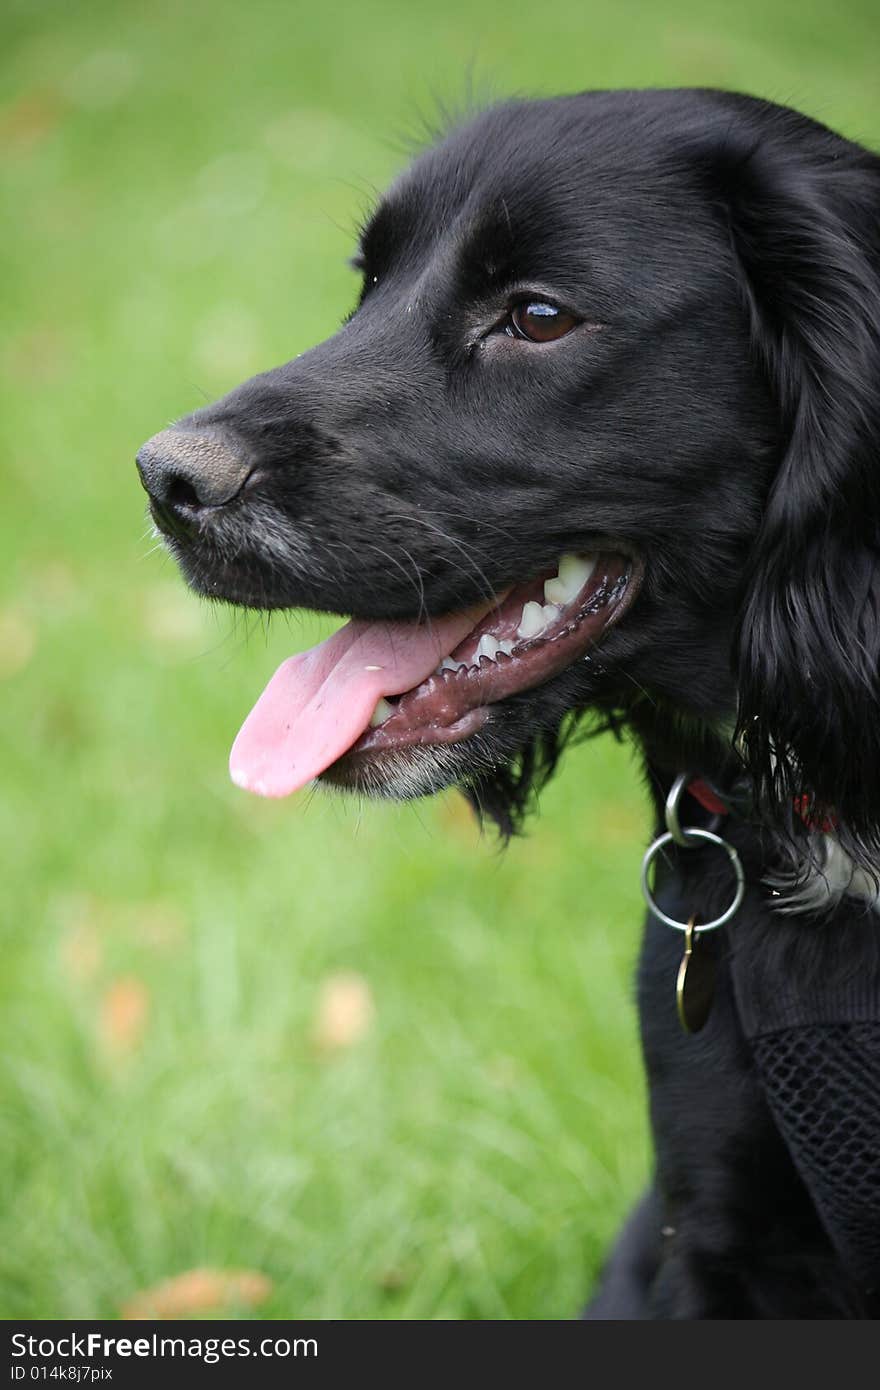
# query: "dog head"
603,432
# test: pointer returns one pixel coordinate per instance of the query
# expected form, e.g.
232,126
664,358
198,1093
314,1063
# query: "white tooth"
551,614
381,712
488,646
555,591
449,664
574,571
532,620
506,646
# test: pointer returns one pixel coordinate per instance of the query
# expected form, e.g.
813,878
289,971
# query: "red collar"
710,801
707,798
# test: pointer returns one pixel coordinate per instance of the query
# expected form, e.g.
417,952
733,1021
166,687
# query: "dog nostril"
183,469
180,493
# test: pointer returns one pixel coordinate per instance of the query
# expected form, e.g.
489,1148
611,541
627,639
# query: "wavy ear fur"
804,217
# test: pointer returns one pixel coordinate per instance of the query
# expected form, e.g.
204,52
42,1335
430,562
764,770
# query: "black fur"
716,414
804,217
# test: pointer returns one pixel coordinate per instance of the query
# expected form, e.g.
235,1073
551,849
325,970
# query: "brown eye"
540,322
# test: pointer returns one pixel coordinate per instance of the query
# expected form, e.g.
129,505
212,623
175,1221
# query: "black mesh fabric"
822,1082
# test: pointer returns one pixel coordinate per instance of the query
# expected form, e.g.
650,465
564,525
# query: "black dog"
601,442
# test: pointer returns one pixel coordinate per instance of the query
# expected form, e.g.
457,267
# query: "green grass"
180,186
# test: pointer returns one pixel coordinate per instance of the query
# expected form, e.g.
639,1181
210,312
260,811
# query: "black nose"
185,472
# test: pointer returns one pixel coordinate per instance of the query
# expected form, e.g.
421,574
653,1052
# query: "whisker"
487,591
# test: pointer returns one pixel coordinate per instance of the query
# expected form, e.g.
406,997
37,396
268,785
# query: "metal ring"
673,824
708,837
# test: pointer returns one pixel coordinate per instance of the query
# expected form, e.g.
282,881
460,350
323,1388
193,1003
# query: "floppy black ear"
804,209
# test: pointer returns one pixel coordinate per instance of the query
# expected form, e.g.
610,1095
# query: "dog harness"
816,1052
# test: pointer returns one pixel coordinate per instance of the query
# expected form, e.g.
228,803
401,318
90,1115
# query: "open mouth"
374,688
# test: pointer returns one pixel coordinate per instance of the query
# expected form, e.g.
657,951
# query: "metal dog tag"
695,987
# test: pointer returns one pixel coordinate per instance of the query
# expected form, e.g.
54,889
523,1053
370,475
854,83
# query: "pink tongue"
319,703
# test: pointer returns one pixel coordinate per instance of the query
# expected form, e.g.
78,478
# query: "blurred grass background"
357,1052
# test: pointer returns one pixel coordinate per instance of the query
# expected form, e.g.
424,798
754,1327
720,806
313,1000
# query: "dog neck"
810,877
